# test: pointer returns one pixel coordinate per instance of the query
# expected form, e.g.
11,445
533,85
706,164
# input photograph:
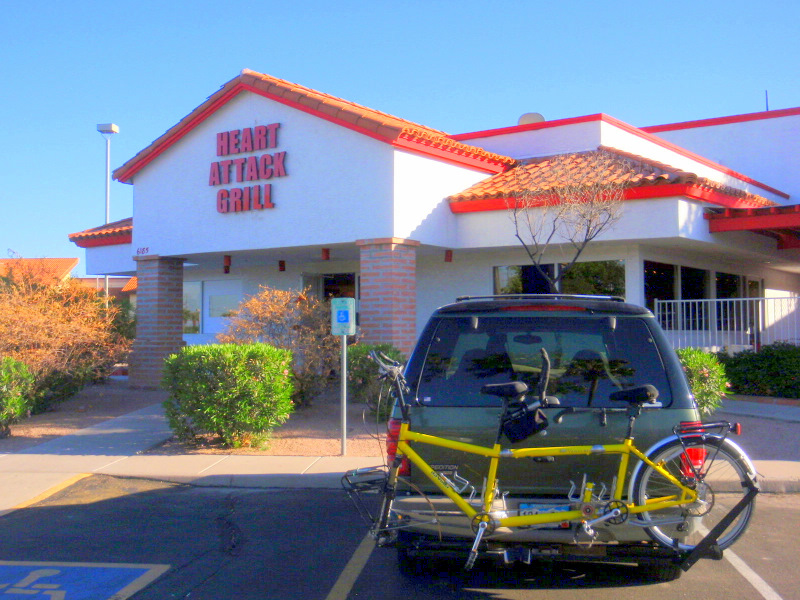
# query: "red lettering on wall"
267,196
246,199
255,200
246,142
264,166
246,169
222,201
213,174
233,142
260,138
278,164
225,170
235,201
239,165
251,169
273,134
222,143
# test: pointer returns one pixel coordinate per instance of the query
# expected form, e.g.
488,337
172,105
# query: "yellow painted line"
352,570
46,494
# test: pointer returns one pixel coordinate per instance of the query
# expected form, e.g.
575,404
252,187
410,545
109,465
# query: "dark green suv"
596,346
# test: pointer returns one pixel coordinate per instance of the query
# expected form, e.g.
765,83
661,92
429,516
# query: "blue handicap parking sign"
75,581
342,316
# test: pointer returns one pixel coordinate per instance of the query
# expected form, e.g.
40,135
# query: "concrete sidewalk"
115,447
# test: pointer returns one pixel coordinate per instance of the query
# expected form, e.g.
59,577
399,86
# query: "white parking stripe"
755,580
762,587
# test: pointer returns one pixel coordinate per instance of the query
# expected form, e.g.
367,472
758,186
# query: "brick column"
159,318
388,304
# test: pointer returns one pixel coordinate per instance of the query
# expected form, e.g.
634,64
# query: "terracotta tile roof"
641,177
47,268
130,286
380,125
118,232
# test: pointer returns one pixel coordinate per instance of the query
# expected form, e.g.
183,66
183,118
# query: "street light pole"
107,130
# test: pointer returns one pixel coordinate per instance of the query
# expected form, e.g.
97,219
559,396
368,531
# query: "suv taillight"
392,435
692,457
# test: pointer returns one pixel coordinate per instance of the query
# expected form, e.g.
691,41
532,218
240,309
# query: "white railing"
732,324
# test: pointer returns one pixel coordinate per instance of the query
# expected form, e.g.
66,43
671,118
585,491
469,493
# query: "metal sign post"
343,323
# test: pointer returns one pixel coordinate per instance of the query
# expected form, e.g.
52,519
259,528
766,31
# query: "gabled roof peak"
398,132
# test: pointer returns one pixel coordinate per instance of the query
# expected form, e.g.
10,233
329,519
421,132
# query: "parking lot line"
49,492
352,570
762,587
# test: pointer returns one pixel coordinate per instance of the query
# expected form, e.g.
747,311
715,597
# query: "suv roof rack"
541,297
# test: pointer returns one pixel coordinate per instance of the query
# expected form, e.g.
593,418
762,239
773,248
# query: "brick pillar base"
388,304
159,318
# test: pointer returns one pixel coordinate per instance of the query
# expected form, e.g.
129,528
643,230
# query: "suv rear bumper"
421,546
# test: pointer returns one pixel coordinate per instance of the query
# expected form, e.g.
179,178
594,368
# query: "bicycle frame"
683,494
488,511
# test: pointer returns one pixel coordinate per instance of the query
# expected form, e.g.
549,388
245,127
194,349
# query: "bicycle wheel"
724,474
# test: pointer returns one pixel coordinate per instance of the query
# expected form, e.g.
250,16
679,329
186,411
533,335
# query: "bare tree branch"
566,199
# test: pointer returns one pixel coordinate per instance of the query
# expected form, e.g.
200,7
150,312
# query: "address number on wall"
144,250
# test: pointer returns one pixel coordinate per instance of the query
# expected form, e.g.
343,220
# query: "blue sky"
457,65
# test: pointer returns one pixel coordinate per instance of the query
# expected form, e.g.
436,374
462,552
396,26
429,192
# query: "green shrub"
294,320
362,376
238,392
774,370
707,378
16,392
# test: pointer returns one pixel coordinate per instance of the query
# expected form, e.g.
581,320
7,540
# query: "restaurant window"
192,303
601,278
522,279
728,285
694,286
659,282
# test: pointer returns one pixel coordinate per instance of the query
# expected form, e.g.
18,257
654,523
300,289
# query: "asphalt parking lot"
107,538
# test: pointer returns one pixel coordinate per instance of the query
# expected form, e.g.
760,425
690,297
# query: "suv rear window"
590,357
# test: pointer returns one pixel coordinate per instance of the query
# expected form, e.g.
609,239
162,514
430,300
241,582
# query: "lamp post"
107,130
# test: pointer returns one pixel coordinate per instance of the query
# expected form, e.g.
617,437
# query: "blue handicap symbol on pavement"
74,581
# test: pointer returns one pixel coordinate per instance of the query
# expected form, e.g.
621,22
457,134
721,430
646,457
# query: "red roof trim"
758,116
385,127
601,117
126,172
529,127
776,217
108,240
691,191
420,147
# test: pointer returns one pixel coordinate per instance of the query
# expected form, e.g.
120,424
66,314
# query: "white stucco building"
271,183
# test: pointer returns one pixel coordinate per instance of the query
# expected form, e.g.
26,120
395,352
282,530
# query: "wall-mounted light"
448,256
326,254
281,265
226,263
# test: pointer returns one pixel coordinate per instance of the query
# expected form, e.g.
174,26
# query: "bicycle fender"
733,446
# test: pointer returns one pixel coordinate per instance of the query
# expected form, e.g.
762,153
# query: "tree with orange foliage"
62,331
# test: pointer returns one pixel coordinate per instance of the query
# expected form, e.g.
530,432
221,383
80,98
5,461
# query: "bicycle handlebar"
393,371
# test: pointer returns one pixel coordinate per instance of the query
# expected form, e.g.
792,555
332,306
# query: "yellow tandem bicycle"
674,491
